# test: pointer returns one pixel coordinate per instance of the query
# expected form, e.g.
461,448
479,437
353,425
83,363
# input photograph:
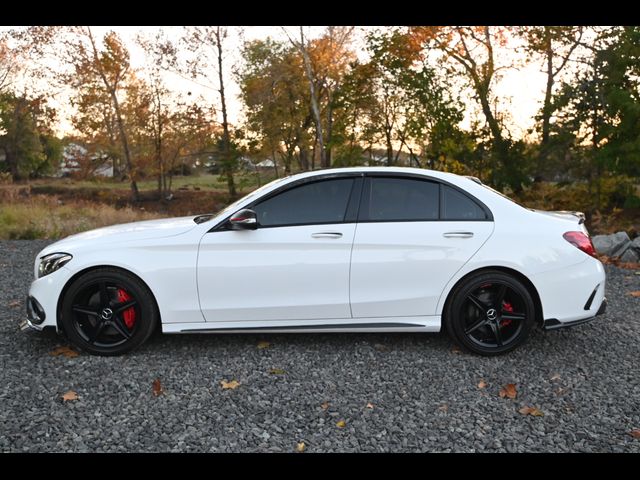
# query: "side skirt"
383,324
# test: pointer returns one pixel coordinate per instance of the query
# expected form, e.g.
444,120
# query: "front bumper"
42,302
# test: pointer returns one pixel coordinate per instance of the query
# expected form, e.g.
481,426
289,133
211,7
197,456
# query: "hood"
165,227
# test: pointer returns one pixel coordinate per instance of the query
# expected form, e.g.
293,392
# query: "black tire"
86,319
490,313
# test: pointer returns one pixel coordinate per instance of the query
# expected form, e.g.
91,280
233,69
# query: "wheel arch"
509,271
78,274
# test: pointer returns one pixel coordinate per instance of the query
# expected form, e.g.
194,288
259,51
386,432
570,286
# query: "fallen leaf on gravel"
555,377
629,265
370,406
156,387
232,385
64,351
277,371
533,411
444,407
635,433
324,405
509,391
635,294
482,384
262,345
456,350
341,424
300,447
14,303
69,396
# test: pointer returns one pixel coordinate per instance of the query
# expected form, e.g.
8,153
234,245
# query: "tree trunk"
112,89
314,100
387,135
546,110
158,144
304,159
275,162
135,194
329,128
226,138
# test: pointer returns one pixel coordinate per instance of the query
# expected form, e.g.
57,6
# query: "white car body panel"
296,273
282,278
400,269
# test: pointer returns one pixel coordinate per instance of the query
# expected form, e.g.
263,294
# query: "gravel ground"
424,393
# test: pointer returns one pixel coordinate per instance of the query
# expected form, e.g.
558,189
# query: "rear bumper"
554,323
571,295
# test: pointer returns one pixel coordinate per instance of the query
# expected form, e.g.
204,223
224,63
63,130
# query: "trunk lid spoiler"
564,214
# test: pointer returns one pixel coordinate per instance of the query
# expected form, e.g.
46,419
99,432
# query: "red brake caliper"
129,315
506,307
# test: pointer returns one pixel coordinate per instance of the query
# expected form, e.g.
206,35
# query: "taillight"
581,241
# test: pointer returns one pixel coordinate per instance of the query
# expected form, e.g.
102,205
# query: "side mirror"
245,219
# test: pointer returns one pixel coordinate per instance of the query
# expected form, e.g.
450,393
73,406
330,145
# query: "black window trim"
426,178
350,216
362,187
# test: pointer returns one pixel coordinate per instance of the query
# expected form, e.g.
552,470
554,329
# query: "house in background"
264,164
77,159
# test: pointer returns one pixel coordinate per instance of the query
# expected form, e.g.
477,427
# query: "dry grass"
42,216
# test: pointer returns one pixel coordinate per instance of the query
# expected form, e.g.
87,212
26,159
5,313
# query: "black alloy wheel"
108,312
490,313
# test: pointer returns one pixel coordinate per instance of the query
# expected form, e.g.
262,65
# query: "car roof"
406,170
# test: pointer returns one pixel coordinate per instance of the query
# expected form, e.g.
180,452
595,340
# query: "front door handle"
458,234
326,235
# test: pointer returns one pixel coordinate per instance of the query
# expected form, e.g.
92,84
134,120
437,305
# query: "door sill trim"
383,324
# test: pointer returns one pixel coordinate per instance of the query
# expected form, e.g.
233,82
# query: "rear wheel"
108,312
490,313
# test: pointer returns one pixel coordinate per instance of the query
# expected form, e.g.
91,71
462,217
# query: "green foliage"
599,121
276,98
25,137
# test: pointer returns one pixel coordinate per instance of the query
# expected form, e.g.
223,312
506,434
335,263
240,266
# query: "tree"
473,50
26,139
207,48
7,64
555,45
398,101
274,92
599,110
98,76
156,115
325,61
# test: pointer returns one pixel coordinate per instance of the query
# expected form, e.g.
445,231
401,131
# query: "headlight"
52,262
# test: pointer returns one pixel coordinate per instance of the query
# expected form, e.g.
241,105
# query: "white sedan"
343,250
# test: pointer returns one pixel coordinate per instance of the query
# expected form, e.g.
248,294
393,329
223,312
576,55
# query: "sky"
520,90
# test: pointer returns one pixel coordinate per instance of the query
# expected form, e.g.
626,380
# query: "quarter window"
312,203
458,206
402,199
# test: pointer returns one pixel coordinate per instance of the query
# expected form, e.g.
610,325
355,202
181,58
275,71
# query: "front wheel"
490,313
108,312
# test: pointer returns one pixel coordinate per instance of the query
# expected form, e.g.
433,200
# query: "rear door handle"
326,235
458,234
